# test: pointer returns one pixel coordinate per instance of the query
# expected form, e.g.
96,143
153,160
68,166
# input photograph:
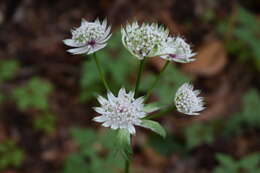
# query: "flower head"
89,37
180,50
121,112
144,40
187,100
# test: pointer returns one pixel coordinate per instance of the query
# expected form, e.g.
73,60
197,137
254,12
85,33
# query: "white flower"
180,50
89,37
187,100
121,112
146,40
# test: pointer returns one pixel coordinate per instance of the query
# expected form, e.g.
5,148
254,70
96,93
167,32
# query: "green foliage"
154,126
10,155
117,63
246,42
123,143
248,117
167,146
152,107
198,133
248,164
95,153
120,66
195,135
33,94
167,86
8,69
251,111
45,122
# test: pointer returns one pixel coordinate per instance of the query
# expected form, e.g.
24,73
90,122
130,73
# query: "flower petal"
121,93
100,119
107,123
111,97
99,110
70,42
96,48
80,50
131,129
102,100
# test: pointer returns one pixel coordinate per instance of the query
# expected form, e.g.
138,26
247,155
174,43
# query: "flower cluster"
121,112
180,50
187,100
145,40
154,40
89,37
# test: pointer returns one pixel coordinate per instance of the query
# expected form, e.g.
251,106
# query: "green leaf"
10,154
198,133
152,107
123,143
45,122
32,94
83,137
95,152
8,68
250,162
75,161
167,146
226,161
154,126
168,85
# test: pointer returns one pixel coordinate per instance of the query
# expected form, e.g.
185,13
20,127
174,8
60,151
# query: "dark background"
47,95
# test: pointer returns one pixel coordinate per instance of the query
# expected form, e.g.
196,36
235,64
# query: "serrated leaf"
154,126
152,107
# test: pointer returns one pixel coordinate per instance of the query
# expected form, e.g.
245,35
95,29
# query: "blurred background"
47,95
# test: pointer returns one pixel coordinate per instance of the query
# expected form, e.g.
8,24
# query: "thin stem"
101,73
127,166
162,113
141,68
157,79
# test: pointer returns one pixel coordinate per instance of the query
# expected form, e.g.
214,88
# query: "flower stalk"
141,68
162,113
127,166
157,79
101,73
124,111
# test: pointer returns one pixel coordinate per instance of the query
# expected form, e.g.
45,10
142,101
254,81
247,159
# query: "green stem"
157,79
127,166
101,73
162,113
141,68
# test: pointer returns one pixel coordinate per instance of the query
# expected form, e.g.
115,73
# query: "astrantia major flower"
180,50
144,40
89,37
187,100
121,112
